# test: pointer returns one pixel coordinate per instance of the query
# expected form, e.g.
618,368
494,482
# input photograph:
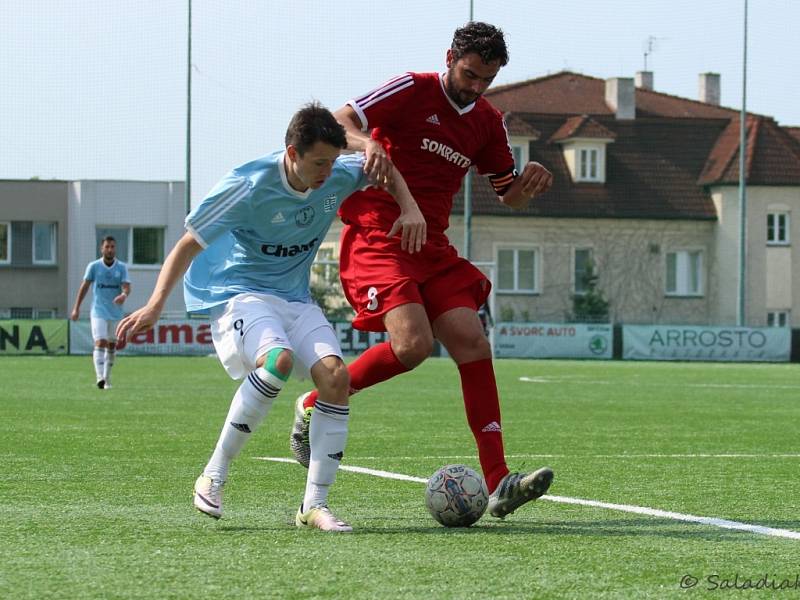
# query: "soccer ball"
456,496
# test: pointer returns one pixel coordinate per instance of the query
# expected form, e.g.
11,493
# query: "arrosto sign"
672,342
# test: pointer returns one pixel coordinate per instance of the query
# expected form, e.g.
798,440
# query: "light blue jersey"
107,285
261,235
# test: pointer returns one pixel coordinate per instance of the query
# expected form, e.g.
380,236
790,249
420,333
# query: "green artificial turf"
95,497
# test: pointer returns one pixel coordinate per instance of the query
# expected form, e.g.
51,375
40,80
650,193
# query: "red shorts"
378,276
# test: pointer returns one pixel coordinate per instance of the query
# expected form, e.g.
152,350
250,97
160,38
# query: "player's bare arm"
378,166
76,309
126,291
411,222
535,179
174,267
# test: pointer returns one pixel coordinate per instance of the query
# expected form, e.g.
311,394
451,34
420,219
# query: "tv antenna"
649,46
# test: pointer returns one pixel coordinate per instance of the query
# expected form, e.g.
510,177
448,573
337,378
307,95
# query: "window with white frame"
44,243
44,313
5,243
519,149
587,165
778,228
778,318
684,273
136,245
584,268
517,270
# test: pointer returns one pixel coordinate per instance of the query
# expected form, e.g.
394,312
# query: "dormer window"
584,142
587,169
519,148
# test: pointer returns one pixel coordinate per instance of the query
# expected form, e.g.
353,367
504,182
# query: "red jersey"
432,142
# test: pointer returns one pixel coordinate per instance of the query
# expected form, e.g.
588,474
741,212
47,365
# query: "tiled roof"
568,93
660,164
517,126
651,173
583,126
772,158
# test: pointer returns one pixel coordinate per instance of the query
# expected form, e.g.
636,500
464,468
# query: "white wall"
124,203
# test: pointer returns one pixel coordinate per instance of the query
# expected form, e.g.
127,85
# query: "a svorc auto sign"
549,340
665,342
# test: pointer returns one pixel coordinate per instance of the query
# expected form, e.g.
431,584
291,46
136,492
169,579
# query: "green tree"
590,306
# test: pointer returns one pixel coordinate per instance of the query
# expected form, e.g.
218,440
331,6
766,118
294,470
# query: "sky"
97,89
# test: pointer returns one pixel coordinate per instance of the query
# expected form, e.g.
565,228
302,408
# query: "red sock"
483,415
376,364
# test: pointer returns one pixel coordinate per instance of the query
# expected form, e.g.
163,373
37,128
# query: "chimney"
644,80
709,88
621,97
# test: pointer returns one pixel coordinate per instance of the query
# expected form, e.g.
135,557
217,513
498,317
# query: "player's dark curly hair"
314,123
481,38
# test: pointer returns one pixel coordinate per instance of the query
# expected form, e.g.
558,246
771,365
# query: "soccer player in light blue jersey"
251,243
108,278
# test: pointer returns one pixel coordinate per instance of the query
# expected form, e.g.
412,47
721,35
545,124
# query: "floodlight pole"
187,197
740,307
468,193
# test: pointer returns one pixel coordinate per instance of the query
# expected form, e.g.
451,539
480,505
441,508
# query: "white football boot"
298,440
208,496
320,517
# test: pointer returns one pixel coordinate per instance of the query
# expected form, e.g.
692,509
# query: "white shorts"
104,330
250,325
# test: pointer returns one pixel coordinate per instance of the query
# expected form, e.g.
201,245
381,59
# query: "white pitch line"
639,510
743,386
577,456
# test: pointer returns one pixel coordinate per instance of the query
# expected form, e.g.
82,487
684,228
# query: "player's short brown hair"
485,40
314,123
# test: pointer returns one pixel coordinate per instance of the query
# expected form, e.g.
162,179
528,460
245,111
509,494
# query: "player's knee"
279,362
411,350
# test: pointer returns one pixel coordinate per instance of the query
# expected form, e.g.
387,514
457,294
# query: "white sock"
328,437
99,359
250,405
109,362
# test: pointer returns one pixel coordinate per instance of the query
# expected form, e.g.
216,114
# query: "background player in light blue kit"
110,285
251,243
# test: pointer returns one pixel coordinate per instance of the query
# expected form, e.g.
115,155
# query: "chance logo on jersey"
283,251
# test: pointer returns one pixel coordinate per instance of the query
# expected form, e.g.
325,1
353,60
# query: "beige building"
646,192
50,231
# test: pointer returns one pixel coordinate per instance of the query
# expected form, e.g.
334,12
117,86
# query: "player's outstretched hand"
413,228
535,179
378,165
138,321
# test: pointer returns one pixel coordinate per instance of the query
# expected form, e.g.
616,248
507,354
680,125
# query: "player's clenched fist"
535,179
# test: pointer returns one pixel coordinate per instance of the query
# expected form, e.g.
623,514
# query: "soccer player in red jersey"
433,127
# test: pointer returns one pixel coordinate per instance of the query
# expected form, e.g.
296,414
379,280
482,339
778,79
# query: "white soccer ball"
456,496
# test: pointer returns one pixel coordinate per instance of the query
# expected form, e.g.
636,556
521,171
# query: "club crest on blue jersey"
304,216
